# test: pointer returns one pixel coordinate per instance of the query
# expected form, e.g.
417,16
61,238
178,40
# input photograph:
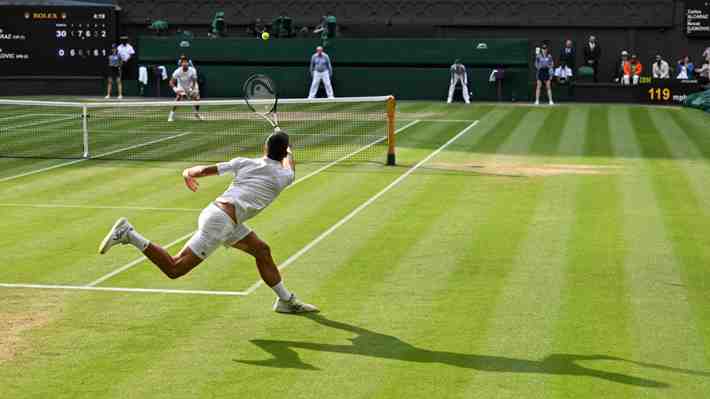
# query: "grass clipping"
522,170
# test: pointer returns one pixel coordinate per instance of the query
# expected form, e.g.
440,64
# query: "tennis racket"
261,97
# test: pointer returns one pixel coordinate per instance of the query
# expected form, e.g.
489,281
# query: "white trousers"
315,83
464,89
626,80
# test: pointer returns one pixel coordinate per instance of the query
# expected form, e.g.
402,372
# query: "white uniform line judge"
458,74
321,70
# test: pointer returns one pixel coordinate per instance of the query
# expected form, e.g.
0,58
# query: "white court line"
441,120
308,176
65,118
7,118
33,172
130,208
133,263
121,289
364,205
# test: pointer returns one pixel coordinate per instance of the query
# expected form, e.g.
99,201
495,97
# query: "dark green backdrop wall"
407,68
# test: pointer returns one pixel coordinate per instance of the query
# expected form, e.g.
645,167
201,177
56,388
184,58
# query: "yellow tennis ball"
265,35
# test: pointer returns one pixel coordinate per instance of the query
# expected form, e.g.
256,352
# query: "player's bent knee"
261,249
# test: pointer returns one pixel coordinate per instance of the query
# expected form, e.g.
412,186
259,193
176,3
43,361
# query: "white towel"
143,75
163,72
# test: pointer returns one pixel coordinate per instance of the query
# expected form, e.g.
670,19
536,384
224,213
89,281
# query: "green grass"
548,253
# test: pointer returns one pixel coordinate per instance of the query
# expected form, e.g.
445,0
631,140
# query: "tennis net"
321,130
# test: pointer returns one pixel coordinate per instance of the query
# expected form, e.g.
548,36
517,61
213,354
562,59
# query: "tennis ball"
265,35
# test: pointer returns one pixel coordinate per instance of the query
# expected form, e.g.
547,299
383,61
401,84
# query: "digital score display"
697,18
55,41
665,91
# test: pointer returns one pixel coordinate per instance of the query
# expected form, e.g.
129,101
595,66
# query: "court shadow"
373,344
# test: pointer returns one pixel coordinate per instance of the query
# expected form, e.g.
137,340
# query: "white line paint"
134,262
48,168
308,176
65,118
63,164
30,115
7,118
440,120
130,208
121,289
364,205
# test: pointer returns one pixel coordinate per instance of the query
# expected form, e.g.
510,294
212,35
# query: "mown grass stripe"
551,134
697,132
688,154
539,263
594,298
685,221
664,330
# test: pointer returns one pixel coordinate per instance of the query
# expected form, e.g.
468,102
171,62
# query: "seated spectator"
661,69
703,73
706,54
632,71
568,55
619,69
563,73
685,69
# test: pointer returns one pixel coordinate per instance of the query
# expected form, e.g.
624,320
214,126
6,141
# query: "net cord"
172,103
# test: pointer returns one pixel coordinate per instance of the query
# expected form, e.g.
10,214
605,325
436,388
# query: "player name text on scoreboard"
697,18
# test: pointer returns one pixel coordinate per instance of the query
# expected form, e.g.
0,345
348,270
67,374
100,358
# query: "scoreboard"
697,18
665,91
53,40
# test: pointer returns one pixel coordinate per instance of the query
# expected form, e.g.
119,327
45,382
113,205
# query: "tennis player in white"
458,74
257,182
184,84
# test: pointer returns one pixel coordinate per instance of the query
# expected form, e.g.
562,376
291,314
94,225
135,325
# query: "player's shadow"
373,344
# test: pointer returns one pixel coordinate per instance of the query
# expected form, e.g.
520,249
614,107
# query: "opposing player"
257,182
184,84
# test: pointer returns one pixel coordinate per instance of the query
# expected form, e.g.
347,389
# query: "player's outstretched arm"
289,162
192,174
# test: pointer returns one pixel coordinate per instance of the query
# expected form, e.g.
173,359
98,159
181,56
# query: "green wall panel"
407,68
410,52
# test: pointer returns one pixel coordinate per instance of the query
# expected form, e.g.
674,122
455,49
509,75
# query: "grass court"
515,251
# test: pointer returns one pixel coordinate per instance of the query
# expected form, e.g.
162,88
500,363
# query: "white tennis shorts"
215,228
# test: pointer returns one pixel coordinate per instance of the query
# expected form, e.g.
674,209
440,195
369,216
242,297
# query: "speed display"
55,41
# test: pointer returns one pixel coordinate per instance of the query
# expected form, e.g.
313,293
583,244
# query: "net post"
391,108
85,129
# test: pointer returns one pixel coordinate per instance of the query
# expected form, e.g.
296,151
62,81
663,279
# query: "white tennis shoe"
117,235
171,117
294,305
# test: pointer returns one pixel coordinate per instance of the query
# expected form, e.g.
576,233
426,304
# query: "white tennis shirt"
186,80
257,182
